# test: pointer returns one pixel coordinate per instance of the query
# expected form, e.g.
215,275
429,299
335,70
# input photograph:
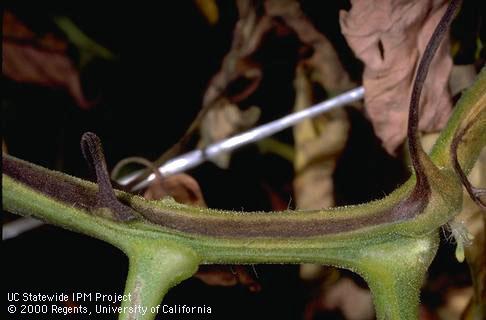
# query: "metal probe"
194,158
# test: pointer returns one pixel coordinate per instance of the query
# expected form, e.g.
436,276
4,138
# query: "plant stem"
395,271
154,268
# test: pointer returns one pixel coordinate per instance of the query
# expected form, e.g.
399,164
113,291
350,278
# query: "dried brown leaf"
39,60
238,65
216,275
227,276
222,121
16,30
389,37
182,187
249,31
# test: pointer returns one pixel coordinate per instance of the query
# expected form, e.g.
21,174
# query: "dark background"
147,99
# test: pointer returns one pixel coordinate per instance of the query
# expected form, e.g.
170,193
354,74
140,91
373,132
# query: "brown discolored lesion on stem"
106,198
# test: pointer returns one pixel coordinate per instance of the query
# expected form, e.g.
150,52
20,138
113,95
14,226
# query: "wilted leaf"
39,60
182,187
217,275
247,36
16,31
224,120
318,144
227,276
389,37
252,25
237,79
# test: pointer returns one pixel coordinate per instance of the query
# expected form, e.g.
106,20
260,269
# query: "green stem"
471,107
395,271
155,267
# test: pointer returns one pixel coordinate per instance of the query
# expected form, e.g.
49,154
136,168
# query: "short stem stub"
154,268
